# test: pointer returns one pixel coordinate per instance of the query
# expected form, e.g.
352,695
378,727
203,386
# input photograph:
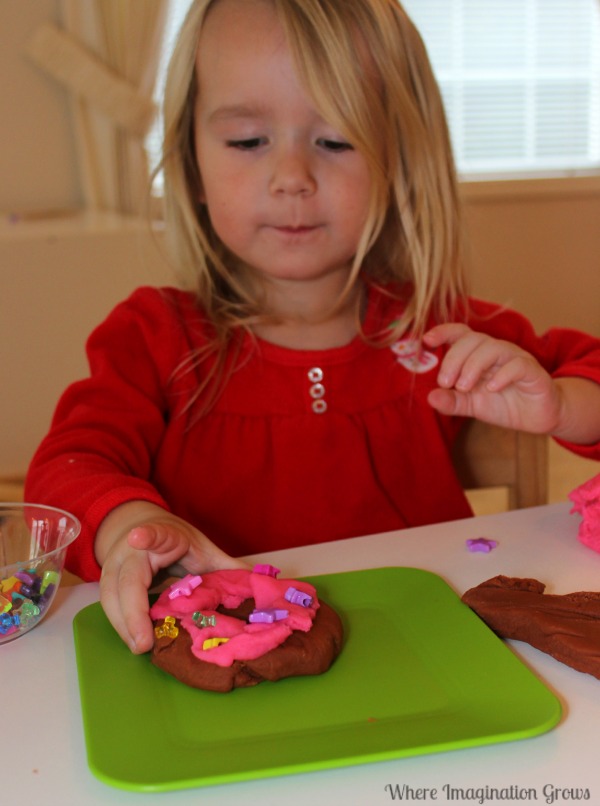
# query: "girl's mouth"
295,230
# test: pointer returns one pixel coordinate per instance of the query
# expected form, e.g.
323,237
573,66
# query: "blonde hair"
366,69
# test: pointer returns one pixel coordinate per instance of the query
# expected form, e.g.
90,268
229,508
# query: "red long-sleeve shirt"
300,447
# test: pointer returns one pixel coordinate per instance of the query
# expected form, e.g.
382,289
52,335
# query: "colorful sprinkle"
267,616
185,586
9,623
211,643
167,629
201,620
24,596
50,579
29,611
482,544
10,584
294,596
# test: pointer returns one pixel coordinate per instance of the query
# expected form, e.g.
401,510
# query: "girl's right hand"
134,543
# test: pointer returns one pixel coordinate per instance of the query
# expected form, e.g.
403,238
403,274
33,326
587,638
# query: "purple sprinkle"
482,544
267,616
294,596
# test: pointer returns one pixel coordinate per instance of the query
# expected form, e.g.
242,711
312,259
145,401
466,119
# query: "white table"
42,752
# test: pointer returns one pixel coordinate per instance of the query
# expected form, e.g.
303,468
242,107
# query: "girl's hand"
494,381
134,543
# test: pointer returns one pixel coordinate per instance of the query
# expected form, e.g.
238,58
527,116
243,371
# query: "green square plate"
419,673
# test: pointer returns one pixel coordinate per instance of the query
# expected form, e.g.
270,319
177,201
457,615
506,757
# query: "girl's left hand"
494,381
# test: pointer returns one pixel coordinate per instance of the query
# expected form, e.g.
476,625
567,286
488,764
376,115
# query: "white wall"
57,281
536,247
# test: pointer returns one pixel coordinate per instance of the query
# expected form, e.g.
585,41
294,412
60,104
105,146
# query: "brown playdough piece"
302,653
565,626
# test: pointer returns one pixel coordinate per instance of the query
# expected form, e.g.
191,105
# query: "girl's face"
285,192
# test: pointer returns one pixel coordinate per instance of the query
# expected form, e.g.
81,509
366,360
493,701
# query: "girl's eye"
248,144
334,145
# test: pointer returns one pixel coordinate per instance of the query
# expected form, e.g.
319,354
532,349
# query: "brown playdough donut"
302,653
565,626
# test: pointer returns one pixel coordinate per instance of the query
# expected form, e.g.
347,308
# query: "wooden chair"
489,456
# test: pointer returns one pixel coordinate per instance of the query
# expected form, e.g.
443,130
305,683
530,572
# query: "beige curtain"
126,35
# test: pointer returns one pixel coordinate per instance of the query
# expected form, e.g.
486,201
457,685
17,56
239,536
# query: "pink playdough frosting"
230,588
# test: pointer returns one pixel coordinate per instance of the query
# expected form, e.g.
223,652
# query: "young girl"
310,384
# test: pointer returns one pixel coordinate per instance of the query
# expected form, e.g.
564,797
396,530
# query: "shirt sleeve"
107,428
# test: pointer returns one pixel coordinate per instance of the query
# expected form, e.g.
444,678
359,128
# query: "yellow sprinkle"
211,643
168,629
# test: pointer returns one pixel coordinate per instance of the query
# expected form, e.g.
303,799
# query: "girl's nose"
292,173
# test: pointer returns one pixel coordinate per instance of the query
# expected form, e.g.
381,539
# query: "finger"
213,557
135,608
521,369
477,358
482,360
450,402
204,556
460,366
168,544
124,583
158,539
448,333
111,603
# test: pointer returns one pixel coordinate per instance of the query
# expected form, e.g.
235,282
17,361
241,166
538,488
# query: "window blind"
520,81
